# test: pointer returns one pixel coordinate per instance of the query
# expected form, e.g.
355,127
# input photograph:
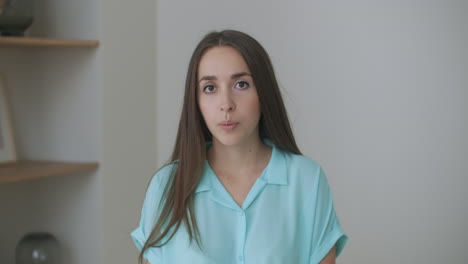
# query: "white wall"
377,94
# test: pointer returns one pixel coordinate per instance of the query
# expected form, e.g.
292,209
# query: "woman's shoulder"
305,176
301,162
155,191
161,177
302,170
291,160
166,170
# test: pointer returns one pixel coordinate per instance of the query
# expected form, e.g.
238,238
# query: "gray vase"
15,16
38,248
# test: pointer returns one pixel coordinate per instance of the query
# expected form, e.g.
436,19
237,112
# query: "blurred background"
376,92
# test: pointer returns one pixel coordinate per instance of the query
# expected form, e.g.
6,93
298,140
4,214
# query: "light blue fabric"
287,217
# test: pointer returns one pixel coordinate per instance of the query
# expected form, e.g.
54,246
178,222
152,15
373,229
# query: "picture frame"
2,3
7,142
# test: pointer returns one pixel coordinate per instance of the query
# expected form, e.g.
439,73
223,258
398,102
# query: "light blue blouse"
287,217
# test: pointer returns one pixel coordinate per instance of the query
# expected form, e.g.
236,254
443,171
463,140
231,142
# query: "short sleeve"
326,229
150,213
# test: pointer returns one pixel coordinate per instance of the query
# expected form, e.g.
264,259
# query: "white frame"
7,142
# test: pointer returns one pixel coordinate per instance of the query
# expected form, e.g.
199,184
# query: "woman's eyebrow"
234,76
240,74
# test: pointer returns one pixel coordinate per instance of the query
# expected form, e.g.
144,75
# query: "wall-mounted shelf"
12,42
27,170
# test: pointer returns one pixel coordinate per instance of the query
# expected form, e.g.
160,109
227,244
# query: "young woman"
237,189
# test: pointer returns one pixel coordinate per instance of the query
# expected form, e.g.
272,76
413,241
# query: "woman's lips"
228,126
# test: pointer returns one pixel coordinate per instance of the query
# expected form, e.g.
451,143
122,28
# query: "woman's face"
227,96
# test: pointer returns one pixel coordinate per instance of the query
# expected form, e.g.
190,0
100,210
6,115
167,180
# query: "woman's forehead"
221,62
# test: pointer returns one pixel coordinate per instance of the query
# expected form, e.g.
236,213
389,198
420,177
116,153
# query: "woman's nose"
227,103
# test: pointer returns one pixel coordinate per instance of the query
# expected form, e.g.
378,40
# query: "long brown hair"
190,150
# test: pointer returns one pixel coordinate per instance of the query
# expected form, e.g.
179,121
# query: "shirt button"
241,213
241,258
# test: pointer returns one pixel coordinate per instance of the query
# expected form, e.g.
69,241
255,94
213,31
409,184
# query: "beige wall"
128,64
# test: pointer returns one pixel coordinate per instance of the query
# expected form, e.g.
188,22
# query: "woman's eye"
242,85
208,89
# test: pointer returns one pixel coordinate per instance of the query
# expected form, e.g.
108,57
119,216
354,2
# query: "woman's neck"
241,159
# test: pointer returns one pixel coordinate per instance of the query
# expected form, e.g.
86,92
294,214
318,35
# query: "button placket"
243,229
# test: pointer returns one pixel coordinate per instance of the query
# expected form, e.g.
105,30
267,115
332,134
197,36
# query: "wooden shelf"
12,42
27,170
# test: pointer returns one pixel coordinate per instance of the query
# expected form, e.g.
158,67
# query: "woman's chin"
232,140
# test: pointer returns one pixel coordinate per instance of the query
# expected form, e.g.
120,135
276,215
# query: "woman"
237,183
